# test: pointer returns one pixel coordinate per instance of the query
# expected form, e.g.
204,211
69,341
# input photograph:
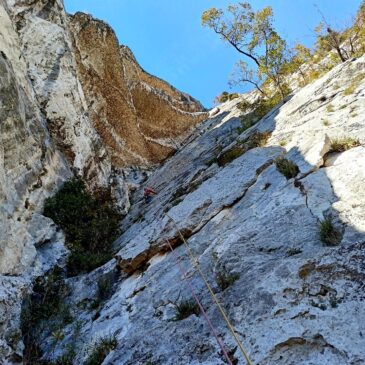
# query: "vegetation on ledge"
90,223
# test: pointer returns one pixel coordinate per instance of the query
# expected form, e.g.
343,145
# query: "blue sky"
168,40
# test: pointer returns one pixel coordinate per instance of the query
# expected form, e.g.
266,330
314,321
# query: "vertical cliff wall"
140,118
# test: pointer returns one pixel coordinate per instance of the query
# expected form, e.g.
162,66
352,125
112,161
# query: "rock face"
31,168
48,132
255,235
140,118
51,67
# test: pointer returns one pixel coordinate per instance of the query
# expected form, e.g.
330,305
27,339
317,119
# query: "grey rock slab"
221,190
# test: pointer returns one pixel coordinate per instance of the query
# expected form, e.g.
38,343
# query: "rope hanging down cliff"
190,286
194,262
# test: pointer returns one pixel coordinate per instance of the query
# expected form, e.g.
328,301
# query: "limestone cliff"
251,203
140,118
255,232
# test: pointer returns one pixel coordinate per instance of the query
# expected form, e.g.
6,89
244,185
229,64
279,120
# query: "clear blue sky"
168,40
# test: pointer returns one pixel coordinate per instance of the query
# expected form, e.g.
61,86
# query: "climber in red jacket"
148,194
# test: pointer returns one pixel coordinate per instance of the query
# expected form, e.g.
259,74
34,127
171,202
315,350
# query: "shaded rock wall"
31,168
46,46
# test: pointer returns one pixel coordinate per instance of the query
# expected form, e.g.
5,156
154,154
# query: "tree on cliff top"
252,34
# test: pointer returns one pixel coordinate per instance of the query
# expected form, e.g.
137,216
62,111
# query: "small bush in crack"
101,350
225,279
104,289
354,84
66,359
257,139
343,144
283,142
225,96
185,309
288,168
90,222
328,233
330,108
44,305
230,155
257,110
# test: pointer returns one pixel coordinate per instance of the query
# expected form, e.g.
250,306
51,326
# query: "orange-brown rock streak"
140,118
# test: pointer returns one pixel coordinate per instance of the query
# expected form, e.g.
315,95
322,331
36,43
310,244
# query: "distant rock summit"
140,118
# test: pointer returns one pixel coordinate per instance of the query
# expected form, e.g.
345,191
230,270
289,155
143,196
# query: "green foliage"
222,98
230,155
257,110
328,233
349,90
257,139
233,96
252,34
180,199
264,105
354,84
105,285
330,108
357,33
90,222
225,279
101,350
66,359
244,106
314,75
44,308
340,45
80,261
288,168
185,309
104,289
247,121
225,96
283,142
329,39
299,56
343,144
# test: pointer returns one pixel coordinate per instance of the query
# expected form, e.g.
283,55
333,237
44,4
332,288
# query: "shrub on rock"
90,223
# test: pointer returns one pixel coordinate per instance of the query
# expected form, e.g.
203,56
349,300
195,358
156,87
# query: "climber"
148,194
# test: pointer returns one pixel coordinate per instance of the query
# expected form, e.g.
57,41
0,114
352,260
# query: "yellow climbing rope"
195,264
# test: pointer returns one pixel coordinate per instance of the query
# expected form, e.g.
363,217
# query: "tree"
356,35
242,73
237,30
299,56
252,34
329,39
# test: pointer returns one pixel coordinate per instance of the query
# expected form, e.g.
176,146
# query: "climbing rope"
195,264
190,286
